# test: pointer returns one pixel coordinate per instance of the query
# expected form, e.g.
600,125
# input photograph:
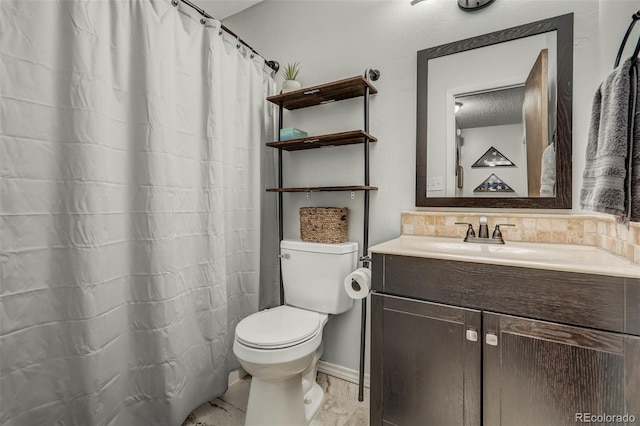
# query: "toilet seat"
278,328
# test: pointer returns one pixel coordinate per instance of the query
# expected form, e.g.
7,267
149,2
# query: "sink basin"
511,251
561,257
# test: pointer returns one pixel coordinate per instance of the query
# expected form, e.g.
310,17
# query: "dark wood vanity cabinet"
441,353
429,370
542,373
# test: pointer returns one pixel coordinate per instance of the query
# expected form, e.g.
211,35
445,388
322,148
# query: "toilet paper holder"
366,259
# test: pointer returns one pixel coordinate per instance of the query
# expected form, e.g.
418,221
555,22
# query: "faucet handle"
497,234
470,232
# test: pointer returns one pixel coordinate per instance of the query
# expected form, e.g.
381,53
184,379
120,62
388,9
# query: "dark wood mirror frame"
564,27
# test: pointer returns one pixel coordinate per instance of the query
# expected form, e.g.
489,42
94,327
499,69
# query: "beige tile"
451,220
529,235
590,225
448,231
612,230
218,412
559,237
559,225
512,234
630,236
528,223
592,239
419,229
575,237
410,219
358,418
575,225
428,220
498,219
408,229
543,225
636,254
602,227
440,220
543,236
607,243
628,251
238,394
617,247
516,221
621,231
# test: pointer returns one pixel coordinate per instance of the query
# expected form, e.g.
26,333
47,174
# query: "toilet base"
313,401
276,402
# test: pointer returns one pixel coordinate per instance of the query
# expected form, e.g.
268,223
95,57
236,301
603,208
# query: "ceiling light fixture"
471,5
466,5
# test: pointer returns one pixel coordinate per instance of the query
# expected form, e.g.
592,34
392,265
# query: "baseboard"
236,375
341,372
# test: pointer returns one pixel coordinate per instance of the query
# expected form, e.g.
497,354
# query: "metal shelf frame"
365,91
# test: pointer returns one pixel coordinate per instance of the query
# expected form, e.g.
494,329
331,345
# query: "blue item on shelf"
291,133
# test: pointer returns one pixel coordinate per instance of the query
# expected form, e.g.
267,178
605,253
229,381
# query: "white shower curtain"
130,189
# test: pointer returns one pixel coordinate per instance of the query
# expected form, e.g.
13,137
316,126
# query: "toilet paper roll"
358,283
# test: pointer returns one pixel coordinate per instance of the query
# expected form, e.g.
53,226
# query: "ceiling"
221,9
493,108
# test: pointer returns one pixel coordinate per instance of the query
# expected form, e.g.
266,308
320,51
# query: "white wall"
338,39
495,66
508,140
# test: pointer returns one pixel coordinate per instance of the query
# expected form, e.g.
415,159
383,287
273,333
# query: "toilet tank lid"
340,248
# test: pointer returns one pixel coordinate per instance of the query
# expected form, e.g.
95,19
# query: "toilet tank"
313,274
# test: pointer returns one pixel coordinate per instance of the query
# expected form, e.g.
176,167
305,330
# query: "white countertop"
556,257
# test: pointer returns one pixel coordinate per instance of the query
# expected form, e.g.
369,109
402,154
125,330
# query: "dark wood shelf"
323,94
333,139
325,188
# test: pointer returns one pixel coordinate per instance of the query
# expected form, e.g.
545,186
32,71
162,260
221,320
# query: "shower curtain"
130,188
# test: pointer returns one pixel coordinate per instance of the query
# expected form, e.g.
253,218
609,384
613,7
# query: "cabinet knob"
472,335
491,339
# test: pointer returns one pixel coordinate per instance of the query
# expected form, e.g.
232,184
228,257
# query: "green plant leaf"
291,71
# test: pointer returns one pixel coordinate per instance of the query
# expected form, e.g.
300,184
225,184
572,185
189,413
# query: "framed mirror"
494,119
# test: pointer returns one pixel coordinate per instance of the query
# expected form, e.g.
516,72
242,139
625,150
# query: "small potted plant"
290,74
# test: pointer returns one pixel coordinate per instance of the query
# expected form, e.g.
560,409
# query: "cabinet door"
541,373
425,370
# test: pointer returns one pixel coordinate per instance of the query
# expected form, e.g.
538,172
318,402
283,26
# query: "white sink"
562,257
511,251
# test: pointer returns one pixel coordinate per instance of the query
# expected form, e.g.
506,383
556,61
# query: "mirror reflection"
494,119
497,106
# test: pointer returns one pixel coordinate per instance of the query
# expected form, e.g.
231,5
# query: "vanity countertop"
557,257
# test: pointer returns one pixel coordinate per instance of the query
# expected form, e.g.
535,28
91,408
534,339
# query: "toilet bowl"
280,349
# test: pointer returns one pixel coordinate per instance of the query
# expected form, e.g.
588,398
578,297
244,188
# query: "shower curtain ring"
174,2
203,21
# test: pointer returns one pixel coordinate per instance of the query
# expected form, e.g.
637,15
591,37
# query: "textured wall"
338,39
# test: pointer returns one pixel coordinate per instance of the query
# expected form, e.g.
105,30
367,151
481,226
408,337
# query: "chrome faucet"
483,232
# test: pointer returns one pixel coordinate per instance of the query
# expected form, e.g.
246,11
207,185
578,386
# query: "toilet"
280,347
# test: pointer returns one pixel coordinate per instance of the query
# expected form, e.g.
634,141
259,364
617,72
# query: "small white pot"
290,86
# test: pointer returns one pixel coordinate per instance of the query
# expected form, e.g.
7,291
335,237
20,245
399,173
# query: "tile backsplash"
585,229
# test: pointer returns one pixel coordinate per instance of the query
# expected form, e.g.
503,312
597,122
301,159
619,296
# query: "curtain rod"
274,65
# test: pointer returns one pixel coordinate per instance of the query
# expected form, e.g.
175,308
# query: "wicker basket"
324,224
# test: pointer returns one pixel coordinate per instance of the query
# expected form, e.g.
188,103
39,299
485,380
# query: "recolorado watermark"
604,418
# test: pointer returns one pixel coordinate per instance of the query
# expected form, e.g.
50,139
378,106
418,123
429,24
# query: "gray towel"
633,196
548,173
608,172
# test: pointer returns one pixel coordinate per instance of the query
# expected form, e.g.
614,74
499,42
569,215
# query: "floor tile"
238,393
217,413
340,408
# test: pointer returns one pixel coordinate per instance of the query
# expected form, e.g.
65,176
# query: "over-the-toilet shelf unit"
349,88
